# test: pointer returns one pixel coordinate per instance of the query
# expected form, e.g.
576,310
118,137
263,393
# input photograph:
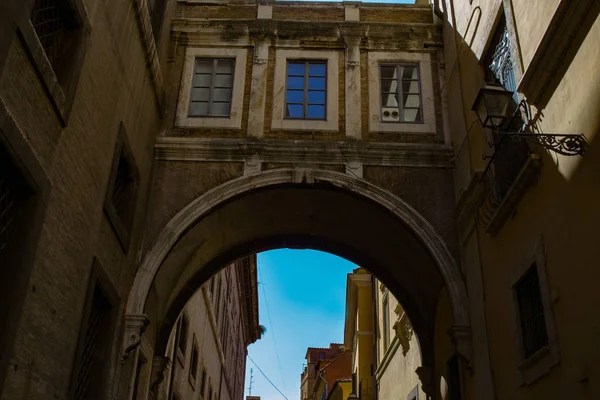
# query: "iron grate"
50,23
98,309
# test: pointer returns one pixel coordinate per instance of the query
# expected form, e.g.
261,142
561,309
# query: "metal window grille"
306,92
531,312
88,368
401,93
50,22
212,87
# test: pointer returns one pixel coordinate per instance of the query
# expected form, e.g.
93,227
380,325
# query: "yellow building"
386,352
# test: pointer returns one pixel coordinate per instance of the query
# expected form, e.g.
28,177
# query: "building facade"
324,368
146,144
386,354
208,346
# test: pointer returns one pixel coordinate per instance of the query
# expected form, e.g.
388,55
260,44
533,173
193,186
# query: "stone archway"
322,206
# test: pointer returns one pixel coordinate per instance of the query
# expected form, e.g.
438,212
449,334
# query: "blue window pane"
294,82
295,111
316,83
316,97
316,69
316,112
296,69
295,96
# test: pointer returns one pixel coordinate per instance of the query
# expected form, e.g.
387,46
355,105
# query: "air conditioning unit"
390,114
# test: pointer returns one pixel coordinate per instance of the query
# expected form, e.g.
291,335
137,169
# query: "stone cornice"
412,33
304,152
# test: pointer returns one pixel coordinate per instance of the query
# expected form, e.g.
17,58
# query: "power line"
266,377
273,334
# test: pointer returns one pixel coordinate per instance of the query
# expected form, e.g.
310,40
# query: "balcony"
511,170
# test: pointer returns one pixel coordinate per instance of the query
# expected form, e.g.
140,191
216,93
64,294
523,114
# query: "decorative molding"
403,328
461,337
135,326
304,152
159,368
142,17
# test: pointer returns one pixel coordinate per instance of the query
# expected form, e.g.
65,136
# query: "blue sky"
306,297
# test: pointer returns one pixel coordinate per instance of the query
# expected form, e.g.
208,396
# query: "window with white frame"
211,94
400,93
401,98
536,346
306,89
212,87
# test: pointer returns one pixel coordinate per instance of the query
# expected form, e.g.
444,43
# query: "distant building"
208,344
325,366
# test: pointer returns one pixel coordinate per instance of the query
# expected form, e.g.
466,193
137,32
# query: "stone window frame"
98,281
539,364
234,121
181,352
27,164
279,121
374,60
122,228
61,94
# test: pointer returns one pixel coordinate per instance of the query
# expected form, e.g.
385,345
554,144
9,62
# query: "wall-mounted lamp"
492,107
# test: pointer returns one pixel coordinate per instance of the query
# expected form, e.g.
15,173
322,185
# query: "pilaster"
353,83
258,91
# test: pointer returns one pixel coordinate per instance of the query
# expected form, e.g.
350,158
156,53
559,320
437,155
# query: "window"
182,337
321,355
212,87
531,313
95,338
386,322
414,394
210,392
400,93
194,366
306,89
122,190
203,381
56,25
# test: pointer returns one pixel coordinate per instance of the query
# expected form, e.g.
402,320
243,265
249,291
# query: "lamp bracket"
565,144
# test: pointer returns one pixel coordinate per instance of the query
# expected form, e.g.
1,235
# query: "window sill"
538,365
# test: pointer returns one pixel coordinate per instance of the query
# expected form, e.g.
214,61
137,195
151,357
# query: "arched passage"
317,209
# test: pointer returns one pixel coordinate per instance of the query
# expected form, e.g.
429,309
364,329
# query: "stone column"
353,82
258,88
135,325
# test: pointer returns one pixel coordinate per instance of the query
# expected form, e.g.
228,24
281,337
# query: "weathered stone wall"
76,156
